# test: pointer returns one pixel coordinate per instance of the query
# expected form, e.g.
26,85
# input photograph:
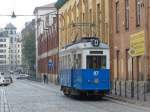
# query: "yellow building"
78,18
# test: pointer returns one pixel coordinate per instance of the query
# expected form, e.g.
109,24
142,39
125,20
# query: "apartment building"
4,51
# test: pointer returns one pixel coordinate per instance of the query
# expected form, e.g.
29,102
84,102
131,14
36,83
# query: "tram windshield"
96,62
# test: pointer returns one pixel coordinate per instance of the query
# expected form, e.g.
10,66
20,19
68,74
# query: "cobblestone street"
28,96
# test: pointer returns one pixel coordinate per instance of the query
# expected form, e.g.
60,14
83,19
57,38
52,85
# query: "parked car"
5,80
11,72
23,76
1,73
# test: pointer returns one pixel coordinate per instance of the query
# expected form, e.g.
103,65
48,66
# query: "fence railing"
133,89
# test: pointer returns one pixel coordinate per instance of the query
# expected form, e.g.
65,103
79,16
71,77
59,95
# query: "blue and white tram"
85,67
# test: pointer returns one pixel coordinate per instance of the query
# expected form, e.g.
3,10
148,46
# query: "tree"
28,39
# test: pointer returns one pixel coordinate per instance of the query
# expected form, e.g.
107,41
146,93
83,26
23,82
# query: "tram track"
4,105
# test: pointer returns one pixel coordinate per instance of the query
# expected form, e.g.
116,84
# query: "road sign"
50,63
137,44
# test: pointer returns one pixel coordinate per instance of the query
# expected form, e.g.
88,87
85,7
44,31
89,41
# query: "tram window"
63,61
69,61
66,62
95,62
77,61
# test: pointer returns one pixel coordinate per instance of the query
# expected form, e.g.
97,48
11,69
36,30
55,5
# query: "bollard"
125,89
137,90
115,88
120,87
144,92
132,89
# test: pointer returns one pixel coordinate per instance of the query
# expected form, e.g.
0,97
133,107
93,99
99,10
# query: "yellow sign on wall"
137,44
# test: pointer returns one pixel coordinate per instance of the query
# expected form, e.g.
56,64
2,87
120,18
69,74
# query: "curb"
131,101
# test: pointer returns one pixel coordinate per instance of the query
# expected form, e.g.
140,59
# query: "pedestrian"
44,78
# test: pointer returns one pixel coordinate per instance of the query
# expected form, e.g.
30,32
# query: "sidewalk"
145,103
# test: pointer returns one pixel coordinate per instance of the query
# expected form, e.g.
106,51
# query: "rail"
4,106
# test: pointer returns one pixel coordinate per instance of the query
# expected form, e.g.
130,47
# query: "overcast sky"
21,7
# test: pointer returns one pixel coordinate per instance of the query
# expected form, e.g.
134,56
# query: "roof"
47,6
85,43
10,26
60,3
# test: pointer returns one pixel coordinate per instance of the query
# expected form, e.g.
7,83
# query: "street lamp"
13,15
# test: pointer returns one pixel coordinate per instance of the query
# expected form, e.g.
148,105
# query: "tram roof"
85,43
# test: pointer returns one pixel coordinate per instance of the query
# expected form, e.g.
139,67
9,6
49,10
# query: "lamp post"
47,50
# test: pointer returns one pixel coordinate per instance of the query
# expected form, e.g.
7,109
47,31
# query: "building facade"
11,31
79,18
19,53
130,49
9,41
4,51
46,42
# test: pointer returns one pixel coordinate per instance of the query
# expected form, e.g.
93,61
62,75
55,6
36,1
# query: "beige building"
122,24
78,18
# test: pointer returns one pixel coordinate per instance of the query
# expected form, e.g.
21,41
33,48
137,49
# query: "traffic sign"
50,63
137,44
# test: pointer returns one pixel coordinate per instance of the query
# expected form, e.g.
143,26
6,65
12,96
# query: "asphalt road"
28,96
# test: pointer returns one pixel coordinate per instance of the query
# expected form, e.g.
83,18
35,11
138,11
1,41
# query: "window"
15,39
117,16
83,29
11,32
2,51
2,56
96,62
47,20
11,40
90,21
98,18
138,13
2,45
126,14
2,40
2,61
77,61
